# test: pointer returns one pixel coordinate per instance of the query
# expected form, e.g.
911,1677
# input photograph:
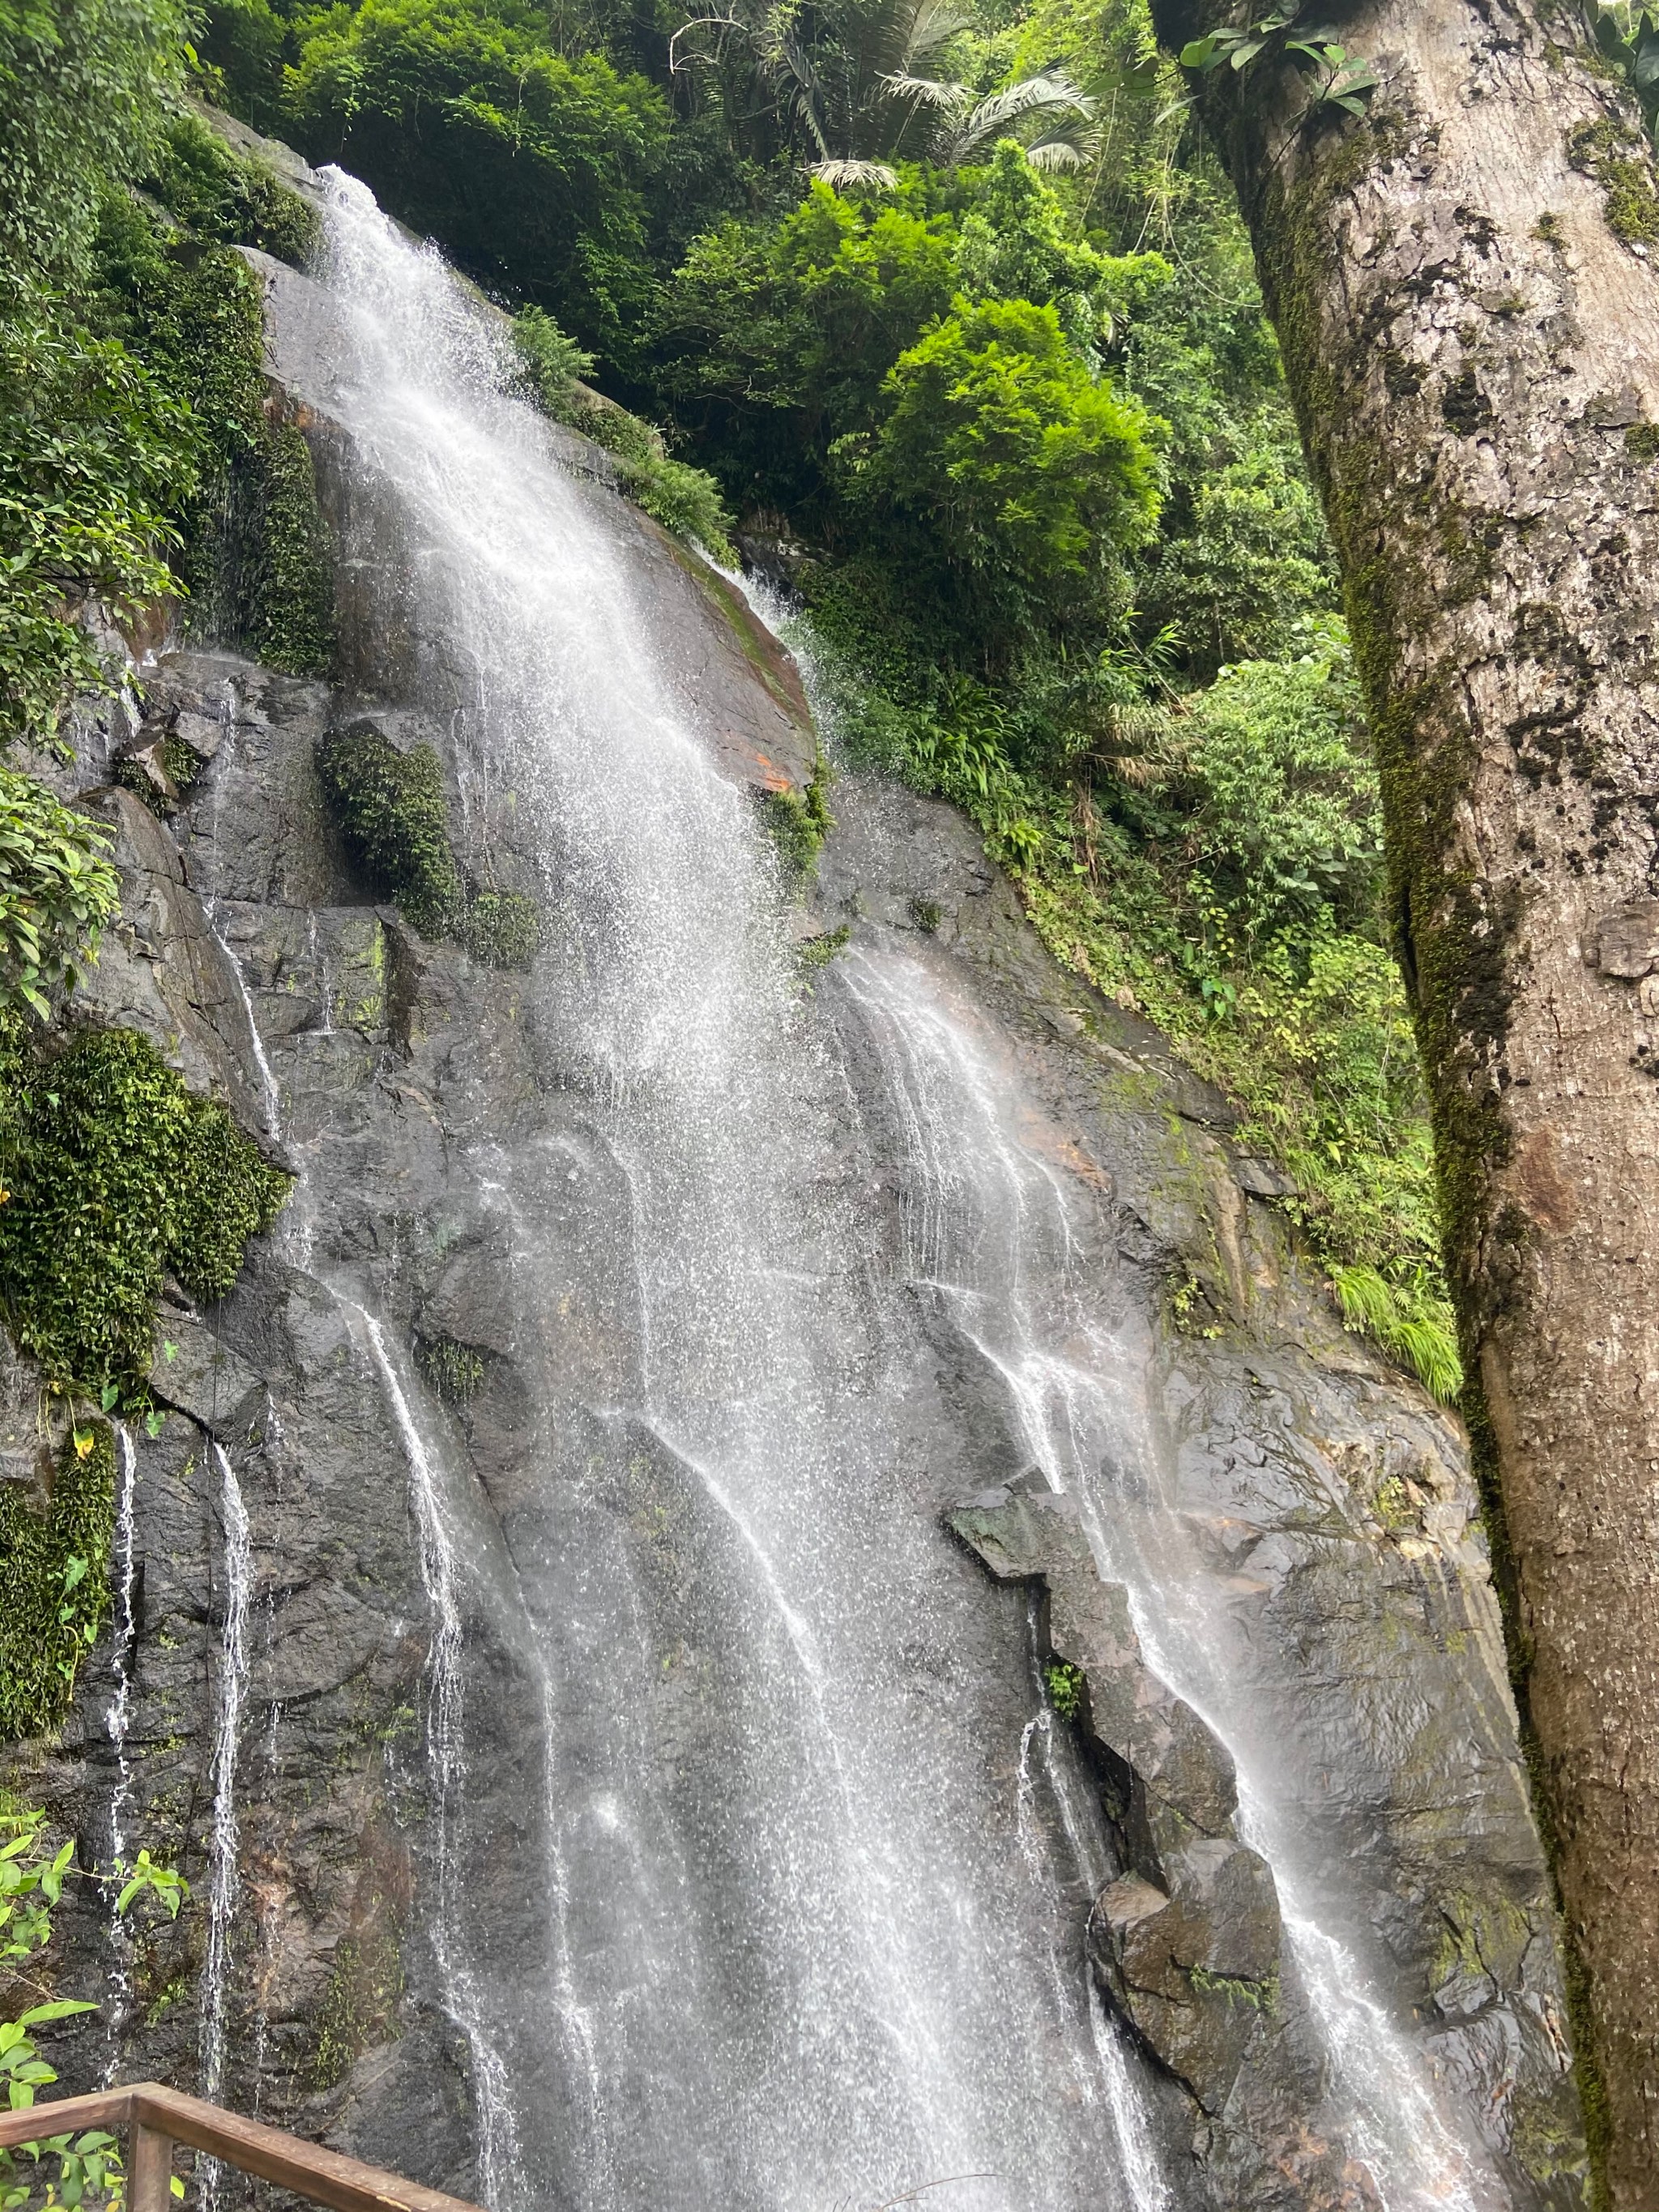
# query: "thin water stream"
223,1875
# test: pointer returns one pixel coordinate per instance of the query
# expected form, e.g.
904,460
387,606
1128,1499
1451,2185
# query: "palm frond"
933,24
1052,93
1062,153
840,174
925,91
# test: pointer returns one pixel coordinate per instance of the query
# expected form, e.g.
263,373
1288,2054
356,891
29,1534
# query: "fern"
1412,1325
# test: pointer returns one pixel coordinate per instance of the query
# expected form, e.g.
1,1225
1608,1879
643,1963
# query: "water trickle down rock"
1185,1943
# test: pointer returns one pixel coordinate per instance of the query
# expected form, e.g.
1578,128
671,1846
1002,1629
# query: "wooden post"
149,2170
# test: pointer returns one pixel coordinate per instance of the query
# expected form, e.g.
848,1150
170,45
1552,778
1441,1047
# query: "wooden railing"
156,2118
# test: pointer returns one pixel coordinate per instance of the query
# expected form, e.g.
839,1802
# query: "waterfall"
991,1215
223,1882
117,1723
728,1864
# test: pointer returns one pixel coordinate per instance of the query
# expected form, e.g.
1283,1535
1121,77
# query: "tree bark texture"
1465,282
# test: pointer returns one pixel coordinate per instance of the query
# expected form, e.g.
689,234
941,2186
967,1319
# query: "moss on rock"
115,1175
502,928
391,807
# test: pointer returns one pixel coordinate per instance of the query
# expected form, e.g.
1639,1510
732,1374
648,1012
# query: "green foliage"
1065,1683
115,1175
527,164
54,1584
95,457
283,610
1276,805
221,195
255,558
550,361
686,501
799,822
1334,77
1629,35
455,1371
1010,473
392,809
1250,570
32,1878
814,954
1411,1323
57,889
502,928
81,83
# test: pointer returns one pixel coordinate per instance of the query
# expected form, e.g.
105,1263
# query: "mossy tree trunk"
1466,288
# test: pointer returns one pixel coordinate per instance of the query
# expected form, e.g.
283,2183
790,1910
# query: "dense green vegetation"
954,306
114,1174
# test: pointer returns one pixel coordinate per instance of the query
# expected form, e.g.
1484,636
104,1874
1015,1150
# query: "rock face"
1185,1940
491,1601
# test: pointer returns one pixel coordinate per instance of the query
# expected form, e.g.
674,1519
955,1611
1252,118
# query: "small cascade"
117,1723
499,2156
223,1882
991,1215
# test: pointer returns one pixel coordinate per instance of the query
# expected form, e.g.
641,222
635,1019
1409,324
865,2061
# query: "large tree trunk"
1466,288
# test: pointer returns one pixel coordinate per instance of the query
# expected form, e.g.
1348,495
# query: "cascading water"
992,1211
759,1865
773,1943
223,1876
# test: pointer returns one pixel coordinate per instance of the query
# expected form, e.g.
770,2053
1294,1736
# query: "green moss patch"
502,928
454,1371
1621,162
115,1175
54,1581
799,822
391,807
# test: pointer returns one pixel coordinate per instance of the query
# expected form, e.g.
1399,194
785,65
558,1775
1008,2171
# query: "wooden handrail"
159,2117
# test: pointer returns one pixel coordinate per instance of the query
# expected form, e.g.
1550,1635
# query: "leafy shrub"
1065,1682
221,195
81,83
1005,472
96,459
527,164
391,808
551,362
57,887
1251,568
1277,801
502,928
54,1581
116,1174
